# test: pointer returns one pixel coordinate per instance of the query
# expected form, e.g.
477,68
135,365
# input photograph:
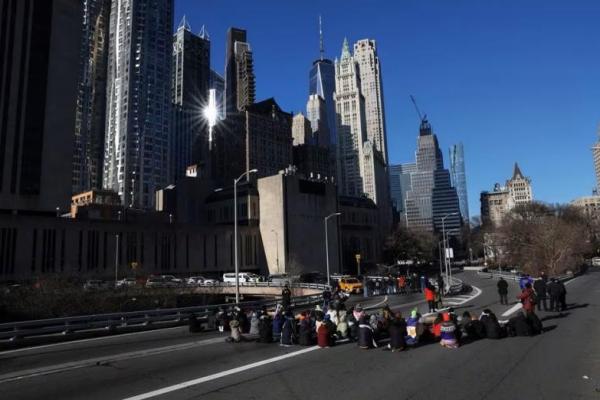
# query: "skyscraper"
239,72
431,196
90,116
400,184
322,83
351,128
39,69
459,178
139,99
316,112
191,81
365,55
217,82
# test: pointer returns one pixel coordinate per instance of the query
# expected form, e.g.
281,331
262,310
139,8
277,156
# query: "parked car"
94,284
280,279
172,278
244,277
161,282
126,282
200,281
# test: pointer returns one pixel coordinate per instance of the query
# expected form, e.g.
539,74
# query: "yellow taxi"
350,285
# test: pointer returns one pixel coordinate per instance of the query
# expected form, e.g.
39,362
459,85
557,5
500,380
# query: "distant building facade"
519,187
459,178
90,116
39,70
217,82
495,205
139,100
589,205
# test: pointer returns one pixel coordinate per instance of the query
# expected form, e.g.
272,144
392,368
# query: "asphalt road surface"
174,364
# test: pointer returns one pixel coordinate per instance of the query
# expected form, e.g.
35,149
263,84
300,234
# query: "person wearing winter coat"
365,334
288,330
305,335
412,328
397,332
323,335
448,336
342,324
527,297
352,327
472,327
265,329
358,312
563,296
554,290
492,327
518,326
278,320
236,334
539,286
503,291
286,297
254,324
430,298
333,314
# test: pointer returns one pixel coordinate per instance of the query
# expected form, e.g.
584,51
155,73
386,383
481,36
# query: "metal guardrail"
515,277
112,322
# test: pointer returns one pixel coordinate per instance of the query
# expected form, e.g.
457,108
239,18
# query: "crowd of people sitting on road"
333,323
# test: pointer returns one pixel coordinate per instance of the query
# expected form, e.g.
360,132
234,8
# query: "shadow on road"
555,316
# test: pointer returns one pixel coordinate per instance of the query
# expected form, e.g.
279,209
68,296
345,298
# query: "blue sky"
513,80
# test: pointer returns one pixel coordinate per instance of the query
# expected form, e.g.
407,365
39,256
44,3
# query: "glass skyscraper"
459,178
322,82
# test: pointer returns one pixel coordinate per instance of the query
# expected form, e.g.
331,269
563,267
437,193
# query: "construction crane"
422,118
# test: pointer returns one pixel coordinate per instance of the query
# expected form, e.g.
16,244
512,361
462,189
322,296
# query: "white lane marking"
218,375
90,362
385,299
71,342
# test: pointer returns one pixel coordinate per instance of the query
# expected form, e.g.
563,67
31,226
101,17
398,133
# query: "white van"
244,277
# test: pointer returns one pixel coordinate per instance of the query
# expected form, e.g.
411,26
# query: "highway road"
174,364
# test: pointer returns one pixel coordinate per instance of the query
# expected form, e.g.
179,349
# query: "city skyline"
475,88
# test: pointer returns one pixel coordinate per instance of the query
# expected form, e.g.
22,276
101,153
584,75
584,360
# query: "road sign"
357,257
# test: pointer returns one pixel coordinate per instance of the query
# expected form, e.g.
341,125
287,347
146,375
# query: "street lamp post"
116,259
276,247
235,233
444,239
327,243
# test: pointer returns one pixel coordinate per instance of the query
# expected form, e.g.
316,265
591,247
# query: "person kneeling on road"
493,330
448,333
413,326
236,335
397,332
365,334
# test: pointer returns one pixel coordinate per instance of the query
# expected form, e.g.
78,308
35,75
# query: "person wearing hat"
305,337
286,297
323,333
288,330
448,332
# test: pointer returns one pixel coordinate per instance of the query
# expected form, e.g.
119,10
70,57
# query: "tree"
542,238
405,244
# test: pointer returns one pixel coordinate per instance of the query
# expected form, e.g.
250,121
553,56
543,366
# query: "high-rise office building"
351,128
431,196
139,99
459,178
322,83
239,72
400,184
191,81
302,132
365,55
316,112
310,159
39,69
90,116
217,82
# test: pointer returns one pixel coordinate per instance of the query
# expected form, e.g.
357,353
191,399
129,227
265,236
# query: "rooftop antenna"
321,46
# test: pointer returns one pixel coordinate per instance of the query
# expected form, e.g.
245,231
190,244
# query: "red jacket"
323,336
429,294
525,298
